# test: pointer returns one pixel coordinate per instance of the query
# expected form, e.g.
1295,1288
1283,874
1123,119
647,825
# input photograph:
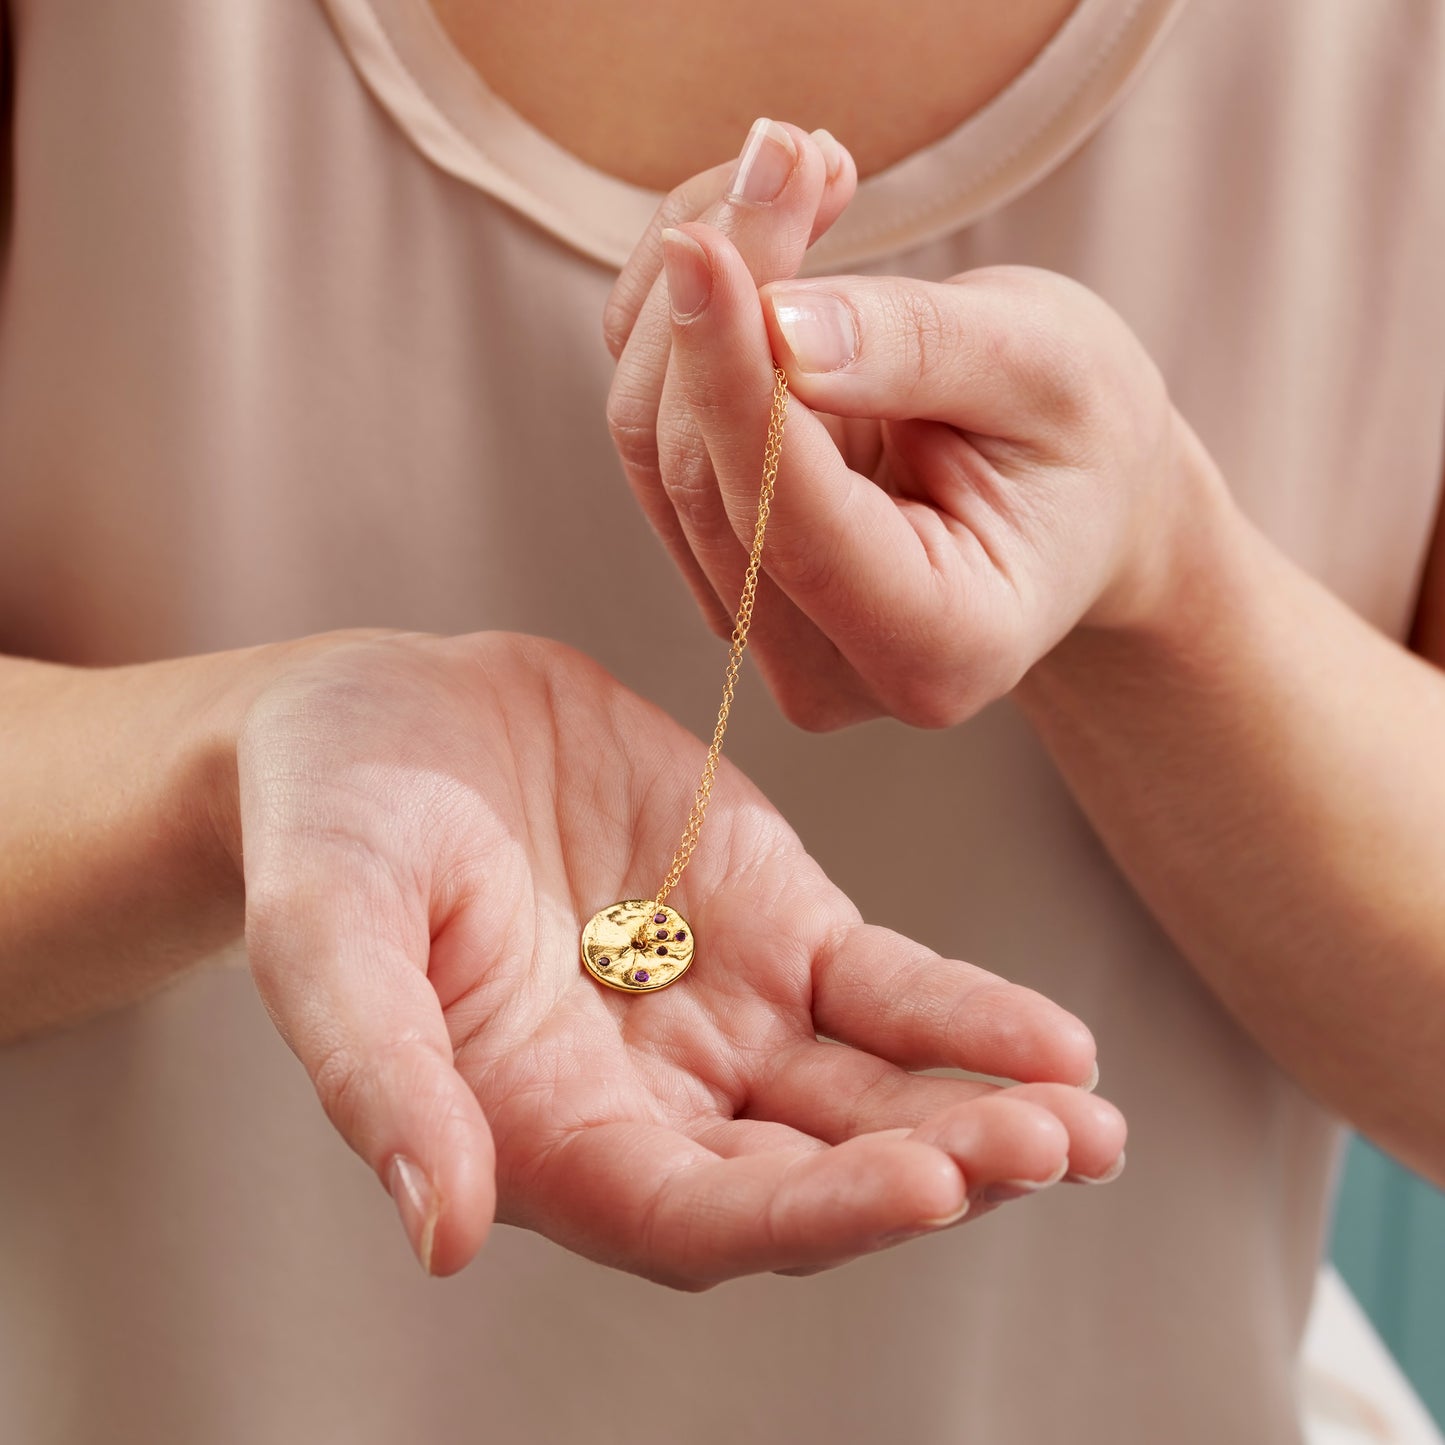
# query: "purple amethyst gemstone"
679,935
659,918
603,961
662,933
662,948
640,975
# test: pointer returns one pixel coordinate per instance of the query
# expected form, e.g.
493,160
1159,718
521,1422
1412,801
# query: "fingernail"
767,161
1107,1177
1008,1189
832,151
689,277
417,1203
1093,1080
947,1219
926,1226
818,328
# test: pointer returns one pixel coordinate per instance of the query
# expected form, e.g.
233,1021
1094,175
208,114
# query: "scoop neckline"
449,112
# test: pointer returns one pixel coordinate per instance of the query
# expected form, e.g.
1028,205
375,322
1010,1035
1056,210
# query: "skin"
412,831
409,831
617,83
995,496
145,803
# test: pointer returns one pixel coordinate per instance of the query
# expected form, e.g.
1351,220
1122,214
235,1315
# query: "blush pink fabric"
300,327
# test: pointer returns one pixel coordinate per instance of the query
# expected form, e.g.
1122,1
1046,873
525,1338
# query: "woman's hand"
984,488
971,468
426,823
781,193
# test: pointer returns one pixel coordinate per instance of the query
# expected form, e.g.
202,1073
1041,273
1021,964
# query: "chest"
658,91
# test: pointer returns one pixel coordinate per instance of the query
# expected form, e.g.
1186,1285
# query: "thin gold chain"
739,639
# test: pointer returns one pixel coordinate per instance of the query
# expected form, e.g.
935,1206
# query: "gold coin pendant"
636,946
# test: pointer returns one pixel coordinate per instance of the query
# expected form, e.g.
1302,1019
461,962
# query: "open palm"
428,822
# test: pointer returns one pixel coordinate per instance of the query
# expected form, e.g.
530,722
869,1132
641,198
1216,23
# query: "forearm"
118,838
1268,771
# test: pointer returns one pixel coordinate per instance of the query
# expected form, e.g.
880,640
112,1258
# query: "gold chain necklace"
640,944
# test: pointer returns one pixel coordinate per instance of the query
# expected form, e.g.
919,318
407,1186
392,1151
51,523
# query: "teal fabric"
1389,1244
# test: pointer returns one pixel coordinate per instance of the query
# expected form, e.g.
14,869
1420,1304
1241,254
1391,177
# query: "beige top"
300,327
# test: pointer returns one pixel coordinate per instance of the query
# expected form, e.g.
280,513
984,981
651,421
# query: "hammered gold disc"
611,957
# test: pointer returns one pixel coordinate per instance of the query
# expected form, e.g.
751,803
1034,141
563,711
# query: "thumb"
837,545
986,351
340,958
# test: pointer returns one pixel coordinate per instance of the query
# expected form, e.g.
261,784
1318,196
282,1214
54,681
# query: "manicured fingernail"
767,161
818,328
417,1203
1008,1189
926,1226
689,277
1093,1080
1107,1177
832,151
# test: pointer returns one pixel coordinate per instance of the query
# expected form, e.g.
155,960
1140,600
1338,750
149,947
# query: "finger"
1097,1130
638,448
833,1093
702,194
683,203
641,1197
842,550
840,183
1006,1148
1003,1145
773,235
802,667
730,1137
993,351
340,956
882,992
635,402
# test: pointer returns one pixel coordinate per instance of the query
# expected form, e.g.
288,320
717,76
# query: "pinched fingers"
705,195
1012,352
856,564
884,578
774,197
780,196
693,198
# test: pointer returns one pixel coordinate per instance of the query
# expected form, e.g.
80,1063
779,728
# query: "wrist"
120,837
1190,573
230,684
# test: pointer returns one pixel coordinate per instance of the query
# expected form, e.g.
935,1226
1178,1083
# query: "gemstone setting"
634,946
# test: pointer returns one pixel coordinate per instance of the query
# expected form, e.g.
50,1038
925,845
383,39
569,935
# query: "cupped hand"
971,468
426,825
